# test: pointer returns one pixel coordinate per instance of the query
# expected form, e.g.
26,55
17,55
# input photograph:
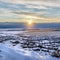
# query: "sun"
30,22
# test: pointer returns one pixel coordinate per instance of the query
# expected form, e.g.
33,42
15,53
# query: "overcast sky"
40,11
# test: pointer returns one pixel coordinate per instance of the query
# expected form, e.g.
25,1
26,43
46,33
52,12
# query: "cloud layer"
42,11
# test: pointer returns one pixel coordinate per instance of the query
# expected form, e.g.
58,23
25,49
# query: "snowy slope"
10,50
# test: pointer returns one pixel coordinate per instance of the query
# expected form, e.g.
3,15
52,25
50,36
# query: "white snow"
10,52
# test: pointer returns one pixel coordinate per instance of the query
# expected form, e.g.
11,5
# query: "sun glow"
30,22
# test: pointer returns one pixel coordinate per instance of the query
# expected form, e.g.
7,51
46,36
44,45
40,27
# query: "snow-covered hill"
27,45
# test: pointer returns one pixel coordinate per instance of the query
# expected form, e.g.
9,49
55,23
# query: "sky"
39,11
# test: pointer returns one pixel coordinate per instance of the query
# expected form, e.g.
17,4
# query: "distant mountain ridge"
22,25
